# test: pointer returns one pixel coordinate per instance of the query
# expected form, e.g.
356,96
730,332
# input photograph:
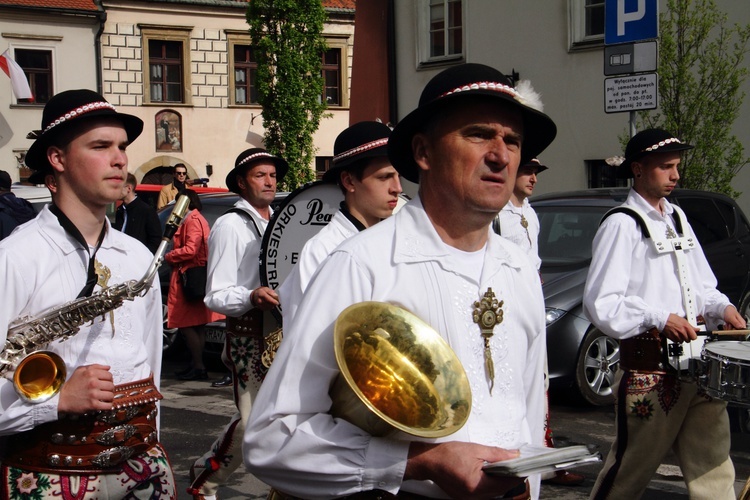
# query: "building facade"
559,46
186,68
55,41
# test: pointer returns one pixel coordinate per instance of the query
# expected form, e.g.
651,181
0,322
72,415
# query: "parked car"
150,192
38,196
580,356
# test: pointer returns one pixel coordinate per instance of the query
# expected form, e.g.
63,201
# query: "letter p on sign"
630,21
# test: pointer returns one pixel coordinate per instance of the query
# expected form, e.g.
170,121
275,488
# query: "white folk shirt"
294,444
314,252
42,267
631,288
527,238
233,265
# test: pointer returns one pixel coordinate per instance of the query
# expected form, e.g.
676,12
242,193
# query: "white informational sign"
630,93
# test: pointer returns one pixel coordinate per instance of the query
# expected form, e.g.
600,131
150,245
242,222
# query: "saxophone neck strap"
73,231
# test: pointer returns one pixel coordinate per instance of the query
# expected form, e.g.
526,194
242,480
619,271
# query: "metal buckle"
119,415
113,456
116,435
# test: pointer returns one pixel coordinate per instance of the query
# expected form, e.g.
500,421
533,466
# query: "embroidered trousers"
657,413
147,476
242,357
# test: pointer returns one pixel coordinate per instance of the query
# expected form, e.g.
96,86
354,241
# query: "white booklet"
538,459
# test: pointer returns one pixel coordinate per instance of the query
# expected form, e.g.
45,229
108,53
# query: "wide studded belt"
92,443
249,324
643,353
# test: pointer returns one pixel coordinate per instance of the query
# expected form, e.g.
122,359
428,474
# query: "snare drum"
724,371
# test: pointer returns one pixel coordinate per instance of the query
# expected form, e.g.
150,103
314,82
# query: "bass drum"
302,214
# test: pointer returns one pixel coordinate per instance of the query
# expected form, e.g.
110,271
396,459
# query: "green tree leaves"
287,39
700,74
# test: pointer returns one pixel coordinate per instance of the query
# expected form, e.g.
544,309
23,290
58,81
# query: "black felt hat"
458,83
652,140
534,162
250,157
361,140
70,108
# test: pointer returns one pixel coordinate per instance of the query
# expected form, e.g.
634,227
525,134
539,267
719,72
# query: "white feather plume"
528,96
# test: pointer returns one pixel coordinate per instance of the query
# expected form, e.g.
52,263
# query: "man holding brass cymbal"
370,186
98,436
438,258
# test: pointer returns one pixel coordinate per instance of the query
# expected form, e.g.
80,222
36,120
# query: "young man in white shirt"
643,296
233,288
436,257
87,440
517,221
371,186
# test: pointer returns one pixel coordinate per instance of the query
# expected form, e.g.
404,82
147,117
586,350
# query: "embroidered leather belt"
249,324
91,443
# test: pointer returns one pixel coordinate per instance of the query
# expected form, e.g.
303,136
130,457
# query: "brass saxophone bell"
39,376
397,373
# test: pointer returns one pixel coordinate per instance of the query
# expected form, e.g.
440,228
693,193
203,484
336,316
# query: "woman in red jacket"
190,316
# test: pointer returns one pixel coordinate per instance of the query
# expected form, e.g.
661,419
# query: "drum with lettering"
723,371
301,216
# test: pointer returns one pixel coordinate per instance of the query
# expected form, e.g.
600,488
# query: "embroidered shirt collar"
416,240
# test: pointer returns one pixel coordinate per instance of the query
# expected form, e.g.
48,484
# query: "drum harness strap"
256,322
676,244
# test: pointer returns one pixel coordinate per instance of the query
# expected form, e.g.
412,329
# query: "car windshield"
566,233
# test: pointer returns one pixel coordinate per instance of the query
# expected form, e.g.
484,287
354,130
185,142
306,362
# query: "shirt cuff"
385,461
659,320
45,412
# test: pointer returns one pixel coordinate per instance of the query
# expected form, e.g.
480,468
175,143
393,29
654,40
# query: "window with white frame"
586,23
166,68
441,34
37,66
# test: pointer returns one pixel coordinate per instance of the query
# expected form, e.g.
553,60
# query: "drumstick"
720,333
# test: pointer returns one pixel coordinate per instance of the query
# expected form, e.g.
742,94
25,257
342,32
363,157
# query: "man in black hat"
102,425
517,221
371,189
438,258
648,286
233,288
14,211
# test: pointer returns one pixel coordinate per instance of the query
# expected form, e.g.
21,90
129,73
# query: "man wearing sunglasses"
170,191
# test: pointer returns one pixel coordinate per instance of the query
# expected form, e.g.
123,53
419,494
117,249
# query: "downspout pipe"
102,17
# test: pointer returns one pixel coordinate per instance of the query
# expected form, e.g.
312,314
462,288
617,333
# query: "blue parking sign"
630,20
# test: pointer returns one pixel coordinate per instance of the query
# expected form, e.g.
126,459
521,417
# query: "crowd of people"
462,256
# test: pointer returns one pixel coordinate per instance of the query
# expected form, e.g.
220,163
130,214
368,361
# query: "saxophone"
39,375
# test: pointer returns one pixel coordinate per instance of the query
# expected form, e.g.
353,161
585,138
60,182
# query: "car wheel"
169,334
598,361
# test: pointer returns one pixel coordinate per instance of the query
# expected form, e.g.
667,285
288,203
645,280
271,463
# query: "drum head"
731,349
301,216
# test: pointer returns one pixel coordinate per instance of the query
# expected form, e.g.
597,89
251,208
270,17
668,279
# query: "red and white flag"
17,77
